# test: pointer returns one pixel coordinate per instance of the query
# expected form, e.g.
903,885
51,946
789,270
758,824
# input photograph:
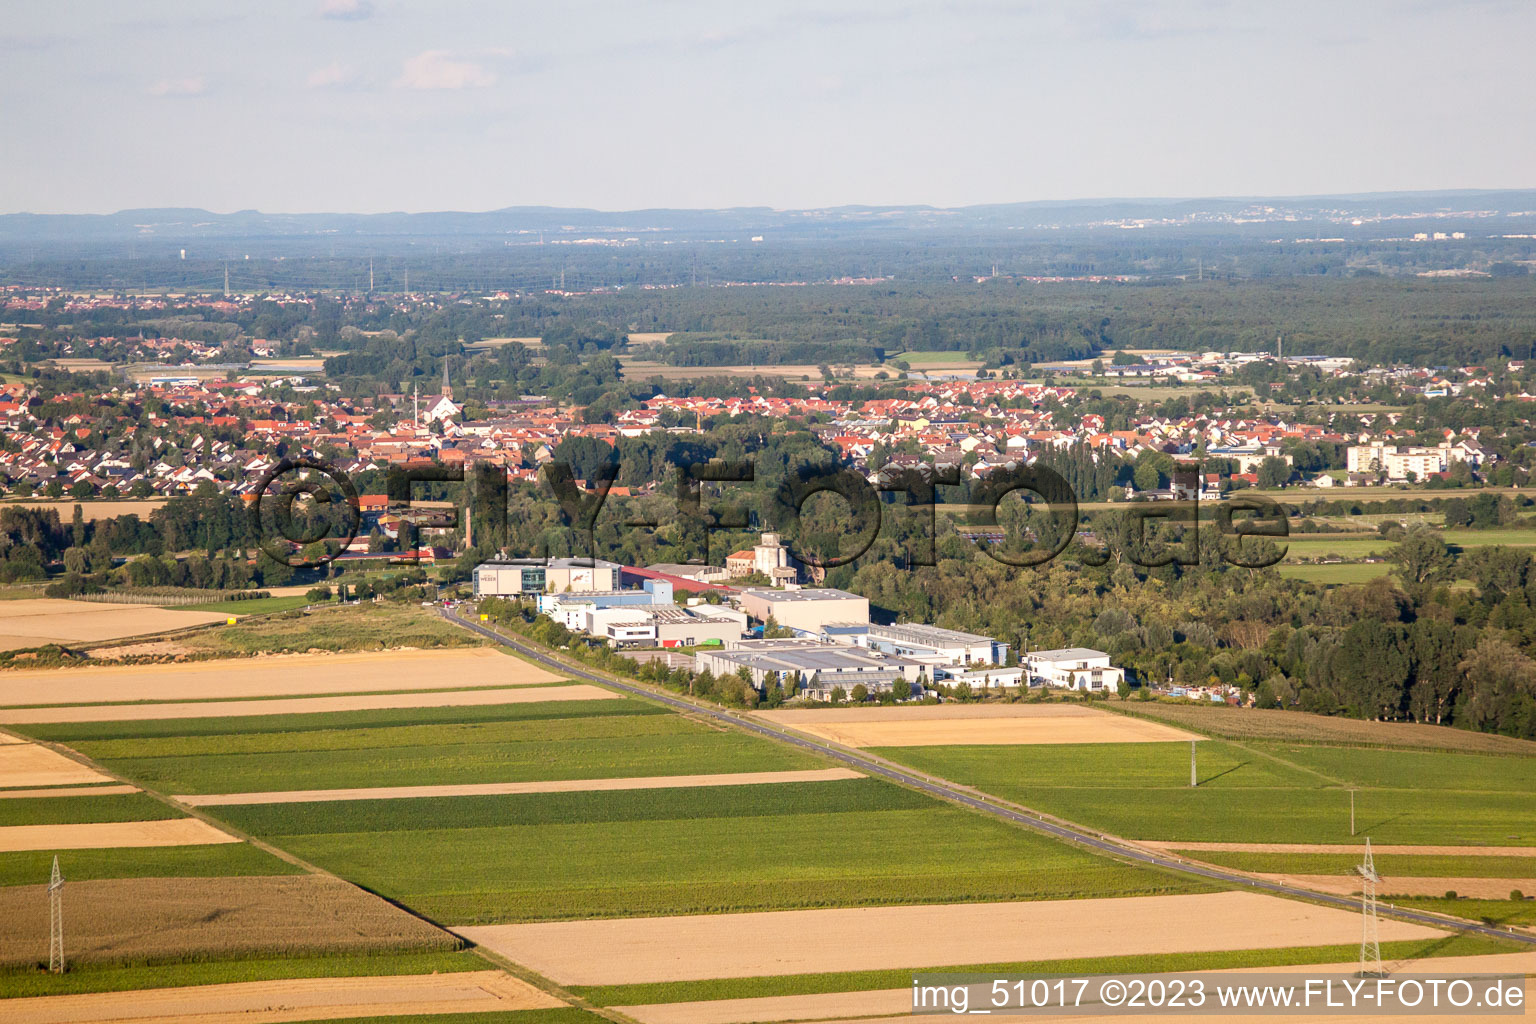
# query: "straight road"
961,795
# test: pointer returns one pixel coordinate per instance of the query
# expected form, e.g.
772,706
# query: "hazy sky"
372,105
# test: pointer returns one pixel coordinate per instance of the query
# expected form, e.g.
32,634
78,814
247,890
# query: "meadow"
1248,793
364,627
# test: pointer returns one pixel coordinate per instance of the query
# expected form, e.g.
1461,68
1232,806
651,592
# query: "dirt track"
817,941
303,705
33,622
949,724
107,835
271,676
126,919
299,796
898,1002
1446,851
27,764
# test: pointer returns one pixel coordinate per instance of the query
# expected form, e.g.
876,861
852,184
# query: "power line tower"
1370,945
56,920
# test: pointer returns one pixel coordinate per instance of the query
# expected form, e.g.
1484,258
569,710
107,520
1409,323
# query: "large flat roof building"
827,665
805,611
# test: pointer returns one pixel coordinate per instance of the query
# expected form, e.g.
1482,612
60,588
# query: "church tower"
447,388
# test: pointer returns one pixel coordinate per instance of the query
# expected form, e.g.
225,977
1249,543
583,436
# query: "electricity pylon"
1370,944
56,920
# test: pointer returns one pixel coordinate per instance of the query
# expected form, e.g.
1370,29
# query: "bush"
1450,894
1516,894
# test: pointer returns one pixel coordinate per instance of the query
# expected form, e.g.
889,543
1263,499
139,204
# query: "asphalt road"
958,794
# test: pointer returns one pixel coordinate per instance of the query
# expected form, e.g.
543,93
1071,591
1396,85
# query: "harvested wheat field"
1409,885
33,622
27,764
138,918
695,948
303,705
300,796
29,794
271,676
91,511
972,724
292,999
296,999
112,835
1184,846
898,1001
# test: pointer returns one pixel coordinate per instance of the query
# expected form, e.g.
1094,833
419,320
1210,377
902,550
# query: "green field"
1251,792
1335,573
628,853
1388,865
74,733
251,606
933,357
73,809
1324,545
1483,538
109,978
421,755
217,860
1509,913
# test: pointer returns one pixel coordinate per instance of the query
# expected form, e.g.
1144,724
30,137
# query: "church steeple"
447,388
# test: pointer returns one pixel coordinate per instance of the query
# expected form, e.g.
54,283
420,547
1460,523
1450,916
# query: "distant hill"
1510,210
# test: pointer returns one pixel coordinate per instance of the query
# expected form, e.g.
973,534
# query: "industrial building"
512,577
572,609
659,625
806,612
917,640
822,667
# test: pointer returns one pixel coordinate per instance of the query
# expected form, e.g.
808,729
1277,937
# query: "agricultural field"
955,724
307,675
1335,574
1301,727
93,509
38,621
1249,792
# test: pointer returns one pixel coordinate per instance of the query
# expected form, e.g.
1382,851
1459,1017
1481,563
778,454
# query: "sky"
293,106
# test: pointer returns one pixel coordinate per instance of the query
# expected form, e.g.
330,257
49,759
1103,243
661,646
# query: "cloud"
438,69
346,10
193,86
329,77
